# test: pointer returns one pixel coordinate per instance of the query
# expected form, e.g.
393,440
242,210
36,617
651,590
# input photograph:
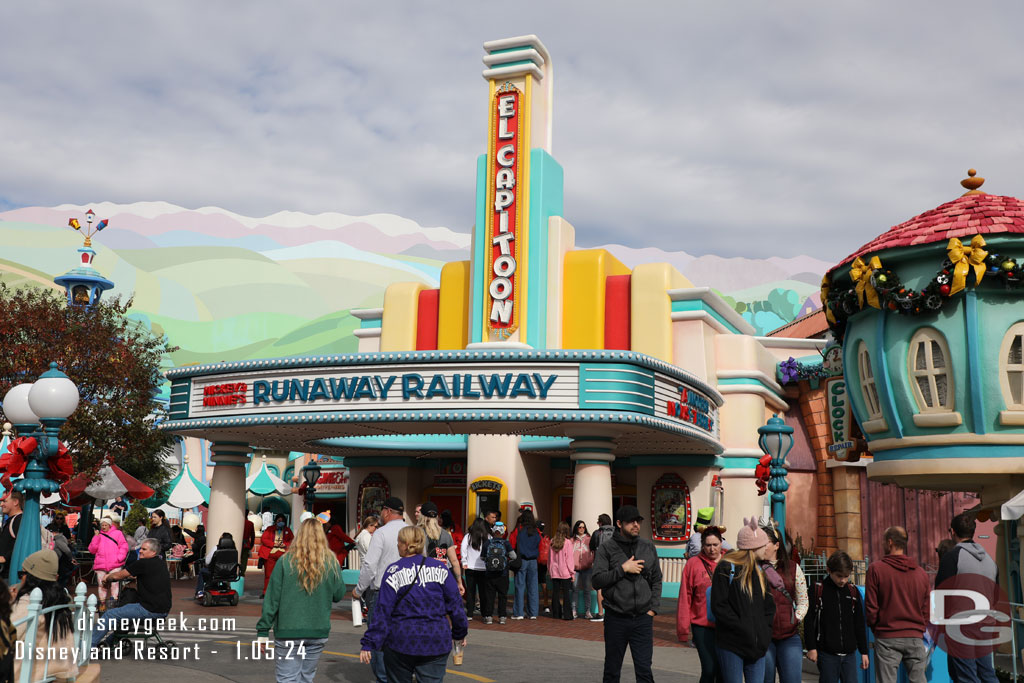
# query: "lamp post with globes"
311,473
50,401
776,439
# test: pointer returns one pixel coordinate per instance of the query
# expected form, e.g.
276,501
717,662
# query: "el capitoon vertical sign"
504,301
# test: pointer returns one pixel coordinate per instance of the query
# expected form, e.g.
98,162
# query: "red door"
454,503
565,507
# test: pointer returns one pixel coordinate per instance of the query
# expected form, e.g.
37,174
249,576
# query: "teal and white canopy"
186,491
264,482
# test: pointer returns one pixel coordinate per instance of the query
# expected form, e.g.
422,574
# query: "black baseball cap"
628,513
429,509
395,504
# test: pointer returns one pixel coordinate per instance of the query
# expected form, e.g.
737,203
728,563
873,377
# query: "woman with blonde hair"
419,613
439,544
743,607
304,584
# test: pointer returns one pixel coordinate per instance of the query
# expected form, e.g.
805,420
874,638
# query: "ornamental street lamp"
50,401
776,440
311,473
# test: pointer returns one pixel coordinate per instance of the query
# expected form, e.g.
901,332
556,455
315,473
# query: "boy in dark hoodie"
967,557
834,630
897,596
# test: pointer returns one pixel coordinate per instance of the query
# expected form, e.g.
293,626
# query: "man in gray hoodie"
967,557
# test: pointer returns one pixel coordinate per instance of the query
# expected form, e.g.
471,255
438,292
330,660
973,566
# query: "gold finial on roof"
971,184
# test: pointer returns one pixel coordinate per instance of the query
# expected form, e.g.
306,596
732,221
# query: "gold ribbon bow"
826,285
861,273
963,259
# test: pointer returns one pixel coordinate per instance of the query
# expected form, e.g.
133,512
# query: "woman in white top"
370,525
474,568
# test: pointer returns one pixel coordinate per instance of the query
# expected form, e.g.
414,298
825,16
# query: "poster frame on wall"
670,490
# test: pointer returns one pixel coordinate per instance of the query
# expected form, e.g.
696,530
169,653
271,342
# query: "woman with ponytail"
743,607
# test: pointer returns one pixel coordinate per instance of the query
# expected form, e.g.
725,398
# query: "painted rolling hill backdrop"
228,287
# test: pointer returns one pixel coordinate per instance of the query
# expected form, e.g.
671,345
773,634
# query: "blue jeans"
735,669
787,655
526,587
581,585
376,658
837,668
400,667
130,611
293,664
971,670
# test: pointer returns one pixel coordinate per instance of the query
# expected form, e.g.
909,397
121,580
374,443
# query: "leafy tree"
114,361
136,516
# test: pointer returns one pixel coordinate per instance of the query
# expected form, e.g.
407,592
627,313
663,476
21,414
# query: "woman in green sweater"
305,583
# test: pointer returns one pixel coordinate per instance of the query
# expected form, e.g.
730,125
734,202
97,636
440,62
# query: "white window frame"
937,415
874,422
1014,413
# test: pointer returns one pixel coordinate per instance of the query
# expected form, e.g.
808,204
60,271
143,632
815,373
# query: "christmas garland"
879,287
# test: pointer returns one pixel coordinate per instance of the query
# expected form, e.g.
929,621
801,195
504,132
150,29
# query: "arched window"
931,379
1011,372
873,421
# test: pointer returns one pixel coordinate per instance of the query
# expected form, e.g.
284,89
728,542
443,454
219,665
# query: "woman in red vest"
273,544
338,541
789,590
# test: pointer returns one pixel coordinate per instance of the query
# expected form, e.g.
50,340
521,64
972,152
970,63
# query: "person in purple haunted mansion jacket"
419,613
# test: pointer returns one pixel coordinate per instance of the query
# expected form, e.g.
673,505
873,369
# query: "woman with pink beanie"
743,607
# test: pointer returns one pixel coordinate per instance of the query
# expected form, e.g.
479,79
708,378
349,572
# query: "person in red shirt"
248,541
339,542
692,614
273,544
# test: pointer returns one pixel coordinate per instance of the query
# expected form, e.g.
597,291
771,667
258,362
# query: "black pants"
638,634
476,583
498,589
561,605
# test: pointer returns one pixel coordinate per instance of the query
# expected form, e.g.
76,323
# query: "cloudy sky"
759,129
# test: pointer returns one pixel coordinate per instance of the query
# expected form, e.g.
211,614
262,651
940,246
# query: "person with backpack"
789,590
626,568
561,565
583,566
440,544
498,559
475,570
604,532
835,628
743,608
527,546
692,614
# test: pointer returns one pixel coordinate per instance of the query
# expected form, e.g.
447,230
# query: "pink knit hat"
750,536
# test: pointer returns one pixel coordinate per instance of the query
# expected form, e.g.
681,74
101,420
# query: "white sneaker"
597,618
488,620
501,620
534,618
517,618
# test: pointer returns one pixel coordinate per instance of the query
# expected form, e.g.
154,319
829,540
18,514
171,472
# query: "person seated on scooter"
154,590
226,542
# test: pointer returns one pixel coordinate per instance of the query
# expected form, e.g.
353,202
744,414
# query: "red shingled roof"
811,326
964,217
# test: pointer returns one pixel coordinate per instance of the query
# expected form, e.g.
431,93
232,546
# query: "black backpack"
496,559
603,534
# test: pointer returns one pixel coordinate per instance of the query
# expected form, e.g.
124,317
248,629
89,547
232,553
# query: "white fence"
83,610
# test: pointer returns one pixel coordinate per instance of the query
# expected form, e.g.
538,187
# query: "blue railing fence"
83,610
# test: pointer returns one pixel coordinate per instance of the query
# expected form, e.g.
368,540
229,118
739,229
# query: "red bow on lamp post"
61,467
13,462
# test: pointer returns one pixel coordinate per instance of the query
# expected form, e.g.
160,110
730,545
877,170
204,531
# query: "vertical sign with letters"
838,418
505,172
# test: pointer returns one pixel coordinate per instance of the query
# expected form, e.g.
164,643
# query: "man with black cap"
626,570
383,552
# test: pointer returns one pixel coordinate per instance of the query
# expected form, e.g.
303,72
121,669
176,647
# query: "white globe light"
17,408
190,521
53,395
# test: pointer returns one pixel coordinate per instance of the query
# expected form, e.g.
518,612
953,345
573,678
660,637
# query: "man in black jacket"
627,571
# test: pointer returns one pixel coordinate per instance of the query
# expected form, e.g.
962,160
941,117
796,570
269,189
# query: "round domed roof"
975,213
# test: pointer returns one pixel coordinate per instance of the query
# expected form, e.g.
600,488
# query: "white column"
496,456
227,491
592,483
298,504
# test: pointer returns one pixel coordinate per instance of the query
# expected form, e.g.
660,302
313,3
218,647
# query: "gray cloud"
747,130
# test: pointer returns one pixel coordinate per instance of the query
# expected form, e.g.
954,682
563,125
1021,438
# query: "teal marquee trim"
480,242
229,463
883,380
546,198
974,366
679,552
734,463
698,305
570,416
616,386
409,357
955,452
592,462
370,324
455,443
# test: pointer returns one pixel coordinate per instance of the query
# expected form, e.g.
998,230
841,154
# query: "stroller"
224,571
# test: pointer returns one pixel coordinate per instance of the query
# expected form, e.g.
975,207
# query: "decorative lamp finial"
971,184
